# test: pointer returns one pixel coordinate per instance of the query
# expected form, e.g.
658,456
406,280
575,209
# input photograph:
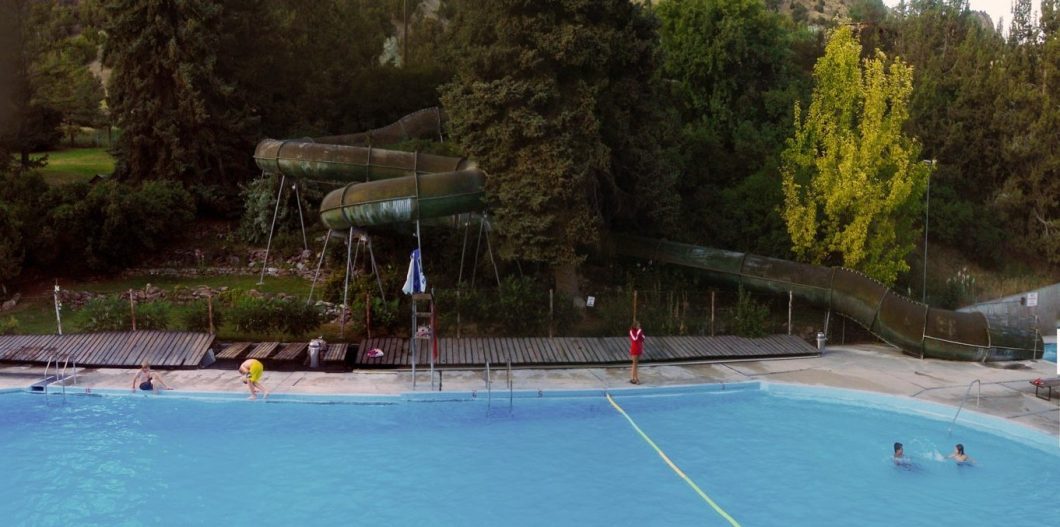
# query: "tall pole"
58,306
927,206
405,34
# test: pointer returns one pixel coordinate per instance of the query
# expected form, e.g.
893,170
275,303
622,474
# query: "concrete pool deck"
1006,390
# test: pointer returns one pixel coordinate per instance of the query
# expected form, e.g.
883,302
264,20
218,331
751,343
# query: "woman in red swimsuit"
636,347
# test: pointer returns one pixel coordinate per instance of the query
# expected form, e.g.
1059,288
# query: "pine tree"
548,99
174,107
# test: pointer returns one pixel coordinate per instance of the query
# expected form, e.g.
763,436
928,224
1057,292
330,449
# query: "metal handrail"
47,365
961,407
489,388
510,384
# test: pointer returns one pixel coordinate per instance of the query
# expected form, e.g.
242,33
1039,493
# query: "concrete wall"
1011,310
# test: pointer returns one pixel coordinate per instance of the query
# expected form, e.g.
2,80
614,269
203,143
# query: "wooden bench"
234,351
263,350
294,351
336,352
1047,384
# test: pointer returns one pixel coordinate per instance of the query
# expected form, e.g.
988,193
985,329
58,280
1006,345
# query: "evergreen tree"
1028,196
548,99
957,65
735,82
179,114
853,182
30,122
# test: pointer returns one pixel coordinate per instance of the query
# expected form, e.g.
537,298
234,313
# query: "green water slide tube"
390,186
915,328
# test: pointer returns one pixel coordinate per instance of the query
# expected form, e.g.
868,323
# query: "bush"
115,314
265,316
197,317
9,326
106,314
153,315
749,318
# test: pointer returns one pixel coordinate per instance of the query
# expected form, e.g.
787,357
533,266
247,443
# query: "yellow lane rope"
679,472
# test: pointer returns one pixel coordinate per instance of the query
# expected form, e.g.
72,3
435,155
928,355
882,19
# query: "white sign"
1032,299
590,301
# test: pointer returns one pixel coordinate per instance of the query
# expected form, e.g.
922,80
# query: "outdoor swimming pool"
766,454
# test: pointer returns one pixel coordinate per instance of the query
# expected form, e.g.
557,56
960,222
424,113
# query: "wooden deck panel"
336,352
157,351
263,350
108,349
295,351
234,350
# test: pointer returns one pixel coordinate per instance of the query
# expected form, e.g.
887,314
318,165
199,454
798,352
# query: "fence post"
791,300
550,312
132,309
712,312
634,305
209,311
368,314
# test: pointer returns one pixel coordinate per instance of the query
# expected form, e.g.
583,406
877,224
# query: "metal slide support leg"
320,263
272,228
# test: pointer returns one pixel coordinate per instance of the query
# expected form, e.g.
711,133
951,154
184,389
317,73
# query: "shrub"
749,318
106,314
260,315
9,326
153,315
197,317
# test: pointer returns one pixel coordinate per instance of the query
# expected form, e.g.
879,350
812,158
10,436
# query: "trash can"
314,353
821,339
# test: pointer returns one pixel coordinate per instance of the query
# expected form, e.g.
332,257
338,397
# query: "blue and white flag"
415,282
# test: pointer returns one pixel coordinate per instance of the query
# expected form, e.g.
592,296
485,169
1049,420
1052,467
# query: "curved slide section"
917,329
382,186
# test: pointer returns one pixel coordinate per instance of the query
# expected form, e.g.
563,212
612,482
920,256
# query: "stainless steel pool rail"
961,407
489,388
60,375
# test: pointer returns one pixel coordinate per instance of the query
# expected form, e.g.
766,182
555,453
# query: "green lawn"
75,164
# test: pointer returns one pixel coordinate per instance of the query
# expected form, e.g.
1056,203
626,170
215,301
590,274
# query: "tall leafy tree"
735,80
548,98
853,181
179,114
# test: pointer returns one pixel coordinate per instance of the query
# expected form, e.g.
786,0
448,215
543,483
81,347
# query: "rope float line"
675,468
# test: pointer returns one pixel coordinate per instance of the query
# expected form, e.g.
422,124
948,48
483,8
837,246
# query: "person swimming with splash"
960,457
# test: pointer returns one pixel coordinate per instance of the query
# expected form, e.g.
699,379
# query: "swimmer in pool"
960,457
146,378
252,370
899,455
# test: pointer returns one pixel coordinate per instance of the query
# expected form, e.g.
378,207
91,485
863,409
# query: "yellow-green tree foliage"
853,182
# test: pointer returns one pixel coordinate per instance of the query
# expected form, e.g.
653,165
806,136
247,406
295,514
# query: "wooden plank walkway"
571,351
167,349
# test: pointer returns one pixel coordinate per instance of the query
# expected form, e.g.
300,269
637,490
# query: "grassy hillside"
76,164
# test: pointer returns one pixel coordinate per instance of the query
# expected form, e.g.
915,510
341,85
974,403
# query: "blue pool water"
772,456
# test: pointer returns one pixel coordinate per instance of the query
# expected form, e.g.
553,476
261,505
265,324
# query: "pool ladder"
60,375
966,392
489,388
